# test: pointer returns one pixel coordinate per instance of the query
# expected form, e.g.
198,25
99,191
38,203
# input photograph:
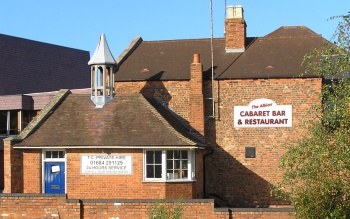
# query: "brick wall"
1,165
124,187
13,168
245,182
32,171
37,206
78,186
240,181
44,206
175,94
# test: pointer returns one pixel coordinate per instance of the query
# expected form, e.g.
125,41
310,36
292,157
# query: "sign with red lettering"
262,113
106,164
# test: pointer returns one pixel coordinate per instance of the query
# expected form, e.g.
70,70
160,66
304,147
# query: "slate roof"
126,121
277,55
29,66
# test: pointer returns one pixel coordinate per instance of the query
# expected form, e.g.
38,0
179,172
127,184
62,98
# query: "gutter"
107,147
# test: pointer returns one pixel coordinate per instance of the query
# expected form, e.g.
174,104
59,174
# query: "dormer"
103,67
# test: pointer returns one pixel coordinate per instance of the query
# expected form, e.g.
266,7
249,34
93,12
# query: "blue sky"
79,23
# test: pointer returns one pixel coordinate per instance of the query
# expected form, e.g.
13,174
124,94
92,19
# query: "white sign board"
104,164
262,113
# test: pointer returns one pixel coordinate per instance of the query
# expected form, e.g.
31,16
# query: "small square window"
48,154
54,154
61,154
250,152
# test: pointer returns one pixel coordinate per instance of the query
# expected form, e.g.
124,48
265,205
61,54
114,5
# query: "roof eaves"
109,146
151,79
266,77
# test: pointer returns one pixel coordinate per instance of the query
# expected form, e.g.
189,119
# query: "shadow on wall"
227,179
155,88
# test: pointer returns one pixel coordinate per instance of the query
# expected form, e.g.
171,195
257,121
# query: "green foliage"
317,169
160,210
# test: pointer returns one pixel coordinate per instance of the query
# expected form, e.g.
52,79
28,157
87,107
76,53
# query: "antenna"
225,10
212,59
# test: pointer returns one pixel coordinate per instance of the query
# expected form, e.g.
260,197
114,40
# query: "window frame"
190,166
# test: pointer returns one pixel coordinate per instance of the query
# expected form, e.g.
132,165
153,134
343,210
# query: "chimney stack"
196,116
235,29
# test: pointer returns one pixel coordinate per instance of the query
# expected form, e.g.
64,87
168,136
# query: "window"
154,164
3,122
177,163
12,122
27,116
169,165
54,154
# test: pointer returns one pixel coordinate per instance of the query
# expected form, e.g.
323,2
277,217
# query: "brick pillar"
196,95
12,167
235,29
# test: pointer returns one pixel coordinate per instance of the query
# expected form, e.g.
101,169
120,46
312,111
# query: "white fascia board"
106,147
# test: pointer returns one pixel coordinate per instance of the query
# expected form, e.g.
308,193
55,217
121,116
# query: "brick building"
172,124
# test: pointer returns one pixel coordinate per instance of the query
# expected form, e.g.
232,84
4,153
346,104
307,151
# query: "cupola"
103,67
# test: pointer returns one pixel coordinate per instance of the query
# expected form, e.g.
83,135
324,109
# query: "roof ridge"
273,33
177,40
288,37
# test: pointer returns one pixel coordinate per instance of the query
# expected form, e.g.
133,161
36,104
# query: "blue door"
54,177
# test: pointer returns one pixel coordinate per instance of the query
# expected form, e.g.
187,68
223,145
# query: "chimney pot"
229,12
238,11
196,58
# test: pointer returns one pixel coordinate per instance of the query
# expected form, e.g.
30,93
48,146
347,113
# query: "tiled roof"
277,55
126,121
29,66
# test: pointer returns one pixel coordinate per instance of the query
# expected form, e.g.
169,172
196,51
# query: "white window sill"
170,181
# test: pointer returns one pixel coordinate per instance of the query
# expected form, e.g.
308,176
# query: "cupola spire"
103,67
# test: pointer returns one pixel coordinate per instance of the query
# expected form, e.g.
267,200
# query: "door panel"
54,177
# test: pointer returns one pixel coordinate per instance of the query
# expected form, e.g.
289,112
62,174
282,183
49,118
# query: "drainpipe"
208,153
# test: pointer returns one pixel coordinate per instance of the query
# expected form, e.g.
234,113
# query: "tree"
317,169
